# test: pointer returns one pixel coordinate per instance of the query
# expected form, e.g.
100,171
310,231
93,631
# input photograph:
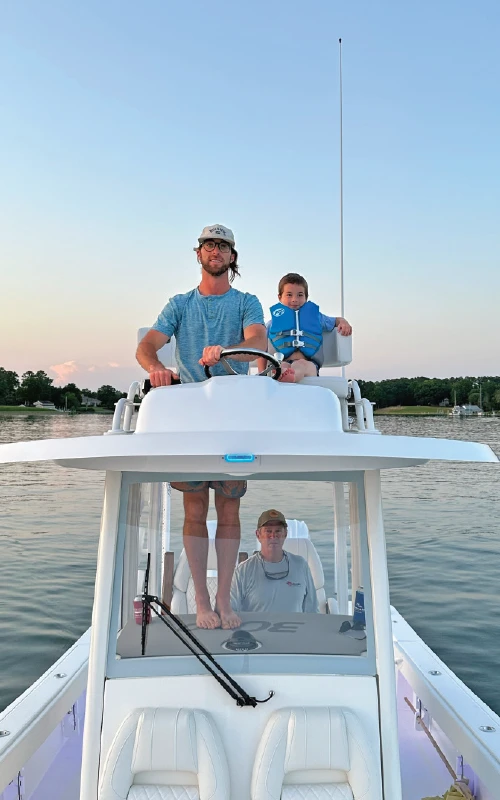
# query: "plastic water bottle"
359,607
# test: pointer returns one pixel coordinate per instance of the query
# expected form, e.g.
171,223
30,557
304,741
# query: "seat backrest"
316,752
183,599
306,549
299,543
165,354
336,350
161,752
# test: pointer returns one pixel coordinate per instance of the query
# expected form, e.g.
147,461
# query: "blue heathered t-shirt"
198,321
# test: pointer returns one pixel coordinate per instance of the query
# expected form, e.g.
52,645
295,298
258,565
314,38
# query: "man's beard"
216,272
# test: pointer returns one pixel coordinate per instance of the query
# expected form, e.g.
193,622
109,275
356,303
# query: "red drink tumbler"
138,604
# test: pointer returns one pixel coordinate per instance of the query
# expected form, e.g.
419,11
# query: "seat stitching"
305,737
194,749
353,737
152,737
211,759
176,725
276,721
108,768
330,736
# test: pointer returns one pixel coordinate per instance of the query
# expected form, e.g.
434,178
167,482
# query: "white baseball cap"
216,232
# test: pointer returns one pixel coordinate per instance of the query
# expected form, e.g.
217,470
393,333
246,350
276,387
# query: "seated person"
296,330
273,580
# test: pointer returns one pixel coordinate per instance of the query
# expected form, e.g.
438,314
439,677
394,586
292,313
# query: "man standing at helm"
205,321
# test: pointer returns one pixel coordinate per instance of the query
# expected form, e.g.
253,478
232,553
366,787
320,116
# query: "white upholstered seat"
183,601
299,543
337,352
166,754
305,548
316,754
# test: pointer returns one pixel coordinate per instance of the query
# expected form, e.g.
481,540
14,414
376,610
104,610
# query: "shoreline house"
471,411
467,410
90,401
45,404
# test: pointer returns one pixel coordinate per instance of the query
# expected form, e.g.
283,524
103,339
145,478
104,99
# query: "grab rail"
124,408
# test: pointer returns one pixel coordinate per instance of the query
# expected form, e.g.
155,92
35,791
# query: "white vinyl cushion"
321,791
300,747
174,753
305,548
337,385
336,349
163,793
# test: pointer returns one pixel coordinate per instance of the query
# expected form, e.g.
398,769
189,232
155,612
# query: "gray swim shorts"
233,489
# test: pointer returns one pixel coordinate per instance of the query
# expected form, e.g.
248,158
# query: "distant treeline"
34,386
484,391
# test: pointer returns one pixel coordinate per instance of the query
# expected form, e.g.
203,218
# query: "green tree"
71,401
56,396
73,389
463,387
108,396
35,386
9,385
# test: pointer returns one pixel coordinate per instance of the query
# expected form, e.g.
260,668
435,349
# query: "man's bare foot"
208,619
287,376
229,618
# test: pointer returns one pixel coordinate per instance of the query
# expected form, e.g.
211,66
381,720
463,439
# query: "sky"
127,127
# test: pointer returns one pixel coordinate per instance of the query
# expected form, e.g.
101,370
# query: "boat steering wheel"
237,351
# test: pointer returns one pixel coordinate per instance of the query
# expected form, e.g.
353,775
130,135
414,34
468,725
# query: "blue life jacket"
296,330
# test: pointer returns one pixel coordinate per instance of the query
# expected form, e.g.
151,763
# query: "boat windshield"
283,562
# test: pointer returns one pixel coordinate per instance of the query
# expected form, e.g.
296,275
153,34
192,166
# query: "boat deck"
316,634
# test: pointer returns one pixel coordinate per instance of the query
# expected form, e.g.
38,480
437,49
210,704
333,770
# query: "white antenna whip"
341,192
341,198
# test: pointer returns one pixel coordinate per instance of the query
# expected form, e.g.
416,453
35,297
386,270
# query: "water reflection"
442,528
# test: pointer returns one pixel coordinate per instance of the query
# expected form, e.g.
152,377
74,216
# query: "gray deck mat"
315,634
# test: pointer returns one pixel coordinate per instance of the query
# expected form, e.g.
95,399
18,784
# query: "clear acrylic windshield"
263,568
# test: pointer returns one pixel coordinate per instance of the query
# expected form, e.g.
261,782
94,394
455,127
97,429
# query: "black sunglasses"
208,244
276,576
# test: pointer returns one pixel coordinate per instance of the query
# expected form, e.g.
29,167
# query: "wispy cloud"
91,376
63,371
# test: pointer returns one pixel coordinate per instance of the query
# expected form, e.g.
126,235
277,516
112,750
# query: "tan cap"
271,516
216,232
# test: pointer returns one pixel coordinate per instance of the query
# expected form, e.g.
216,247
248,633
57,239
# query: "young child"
296,330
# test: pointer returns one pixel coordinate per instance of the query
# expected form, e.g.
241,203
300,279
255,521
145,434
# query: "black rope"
239,700
145,608
229,684
241,697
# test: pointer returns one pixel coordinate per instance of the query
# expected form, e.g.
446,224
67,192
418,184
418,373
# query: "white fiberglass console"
245,401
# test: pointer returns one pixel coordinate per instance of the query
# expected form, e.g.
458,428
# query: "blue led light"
239,458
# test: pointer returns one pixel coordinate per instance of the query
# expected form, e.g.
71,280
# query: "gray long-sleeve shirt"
252,590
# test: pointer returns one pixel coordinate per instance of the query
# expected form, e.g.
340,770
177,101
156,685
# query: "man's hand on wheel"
211,355
161,377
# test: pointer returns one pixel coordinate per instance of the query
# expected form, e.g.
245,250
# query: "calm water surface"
442,524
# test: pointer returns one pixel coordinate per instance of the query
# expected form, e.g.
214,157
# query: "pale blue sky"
127,127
